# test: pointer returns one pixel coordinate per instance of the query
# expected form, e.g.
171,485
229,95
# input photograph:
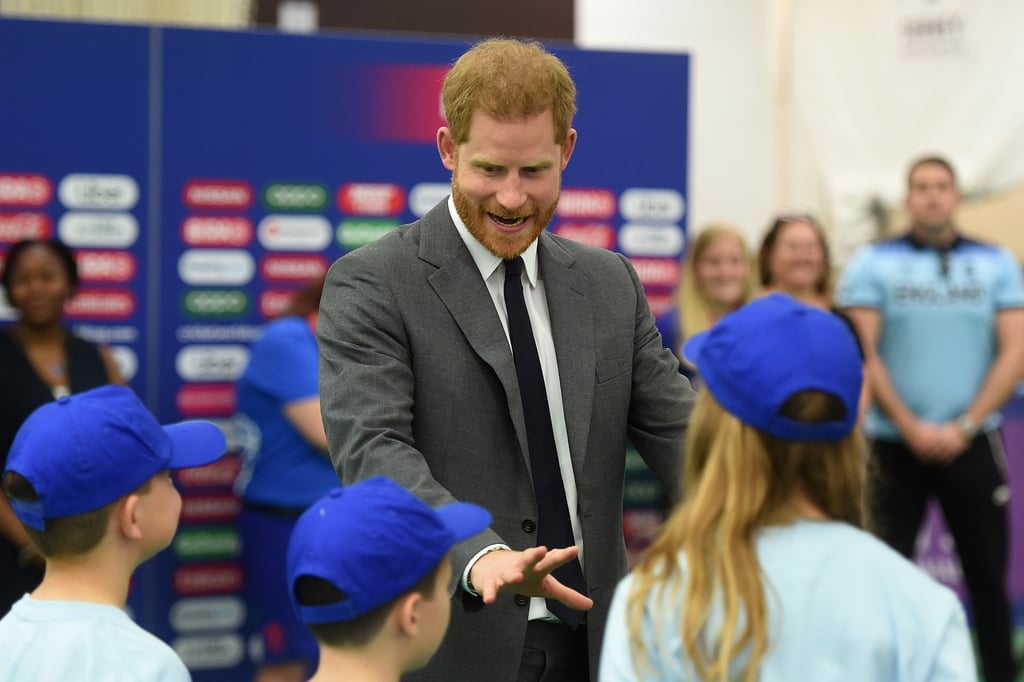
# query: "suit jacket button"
522,600
529,525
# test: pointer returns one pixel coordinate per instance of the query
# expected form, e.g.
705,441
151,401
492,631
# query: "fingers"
551,559
568,596
528,572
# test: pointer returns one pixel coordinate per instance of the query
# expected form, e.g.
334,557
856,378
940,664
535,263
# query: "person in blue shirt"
285,469
941,318
763,572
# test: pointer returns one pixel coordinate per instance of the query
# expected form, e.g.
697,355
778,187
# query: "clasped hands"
528,572
940,443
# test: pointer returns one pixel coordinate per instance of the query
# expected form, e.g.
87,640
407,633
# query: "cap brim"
693,347
464,519
195,443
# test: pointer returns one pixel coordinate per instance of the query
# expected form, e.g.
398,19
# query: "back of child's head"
359,549
782,387
74,458
772,438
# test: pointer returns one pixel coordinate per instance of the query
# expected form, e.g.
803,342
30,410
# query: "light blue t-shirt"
282,468
841,606
938,312
57,641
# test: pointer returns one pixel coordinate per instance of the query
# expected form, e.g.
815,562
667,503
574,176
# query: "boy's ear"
406,613
125,516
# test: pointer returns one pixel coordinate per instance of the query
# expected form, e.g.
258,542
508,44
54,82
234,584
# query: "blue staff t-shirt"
938,307
280,467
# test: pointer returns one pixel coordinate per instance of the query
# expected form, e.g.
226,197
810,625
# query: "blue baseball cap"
756,358
84,451
373,540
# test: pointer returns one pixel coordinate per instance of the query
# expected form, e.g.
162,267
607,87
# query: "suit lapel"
458,285
572,327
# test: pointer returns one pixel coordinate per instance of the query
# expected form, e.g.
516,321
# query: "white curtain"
867,86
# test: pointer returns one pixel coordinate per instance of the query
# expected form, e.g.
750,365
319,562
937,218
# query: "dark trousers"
554,653
973,493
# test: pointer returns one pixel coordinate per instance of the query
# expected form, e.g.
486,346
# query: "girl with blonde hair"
716,279
762,572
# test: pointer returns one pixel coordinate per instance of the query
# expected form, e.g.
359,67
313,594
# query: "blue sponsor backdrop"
258,158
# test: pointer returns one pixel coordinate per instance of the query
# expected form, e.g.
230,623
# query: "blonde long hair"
736,481
696,311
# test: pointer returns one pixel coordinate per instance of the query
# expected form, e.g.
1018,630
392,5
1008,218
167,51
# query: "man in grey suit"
418,380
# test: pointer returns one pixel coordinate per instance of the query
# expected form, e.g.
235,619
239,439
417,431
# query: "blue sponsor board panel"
74,165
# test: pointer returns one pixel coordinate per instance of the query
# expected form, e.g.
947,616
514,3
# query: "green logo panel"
355,233
215,302
294,197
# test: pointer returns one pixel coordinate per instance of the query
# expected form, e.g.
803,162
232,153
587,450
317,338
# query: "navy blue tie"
554,529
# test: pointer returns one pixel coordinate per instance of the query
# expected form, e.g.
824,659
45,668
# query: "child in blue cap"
368,567
88,476
763,572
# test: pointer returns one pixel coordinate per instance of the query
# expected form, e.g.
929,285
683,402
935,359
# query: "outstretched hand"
527,572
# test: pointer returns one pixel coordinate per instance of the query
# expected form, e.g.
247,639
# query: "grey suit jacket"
417,383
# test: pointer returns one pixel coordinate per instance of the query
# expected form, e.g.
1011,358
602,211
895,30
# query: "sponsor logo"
205,508
127,361
210,333
216,231
427,195
226,267
652,204
596,234
105,266
203,614
291,197
273,302
209,652
651,240
355,233
294,233
217,194
657,272
17,226
208,579
208,542
221,473
660,302
106,230
98,333
215,302
24,190
292,268
211,400
586,203
211,363
112,304
371,198
111,192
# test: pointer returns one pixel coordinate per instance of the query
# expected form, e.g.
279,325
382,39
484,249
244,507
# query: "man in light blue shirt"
941,319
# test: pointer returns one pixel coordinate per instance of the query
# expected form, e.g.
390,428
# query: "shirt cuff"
476,557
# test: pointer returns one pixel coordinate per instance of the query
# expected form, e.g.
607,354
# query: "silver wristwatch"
968,427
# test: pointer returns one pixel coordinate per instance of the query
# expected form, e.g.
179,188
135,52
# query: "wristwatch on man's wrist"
968,427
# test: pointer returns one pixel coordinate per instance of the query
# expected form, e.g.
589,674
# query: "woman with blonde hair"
762,572
716,279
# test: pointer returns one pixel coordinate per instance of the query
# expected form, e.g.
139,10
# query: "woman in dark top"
40,360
